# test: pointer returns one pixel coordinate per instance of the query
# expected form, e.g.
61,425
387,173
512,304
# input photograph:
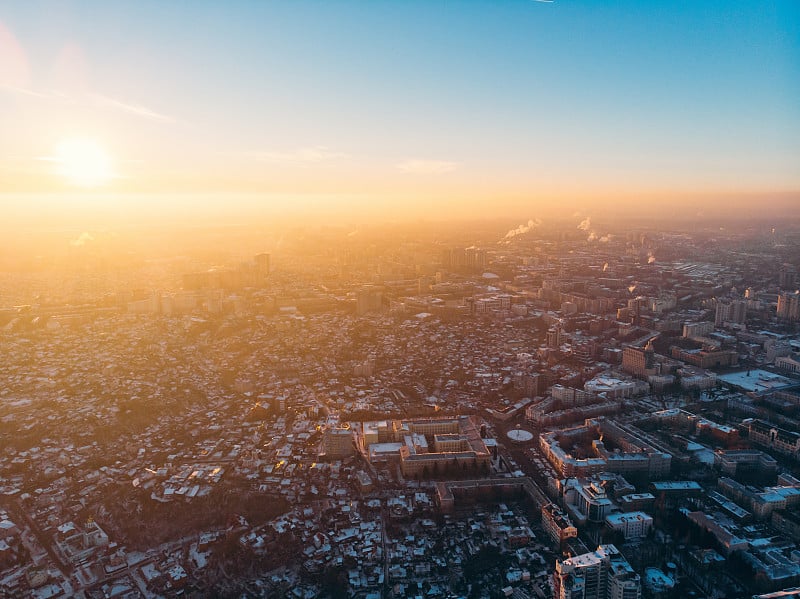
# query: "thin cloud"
135,109
24,91
93,100
428,167
309,155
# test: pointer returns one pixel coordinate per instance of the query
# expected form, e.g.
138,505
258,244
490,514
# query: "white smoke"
523,228
81,240
605,266
592,236
650,258
605,239
585,224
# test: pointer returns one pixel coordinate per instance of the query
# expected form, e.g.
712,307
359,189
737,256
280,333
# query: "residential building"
601,574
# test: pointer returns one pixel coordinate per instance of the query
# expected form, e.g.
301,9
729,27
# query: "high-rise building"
368,299
588,501
471,258
339,442
640,361
730,311
475,258
262,266
789,306
454,258
787,277
601,574
554,337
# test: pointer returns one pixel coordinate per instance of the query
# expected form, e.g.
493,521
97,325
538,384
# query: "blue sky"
432,99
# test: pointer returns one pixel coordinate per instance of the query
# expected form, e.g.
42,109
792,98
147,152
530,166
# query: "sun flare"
83,162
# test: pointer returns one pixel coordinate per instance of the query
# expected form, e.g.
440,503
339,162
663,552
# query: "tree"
334,582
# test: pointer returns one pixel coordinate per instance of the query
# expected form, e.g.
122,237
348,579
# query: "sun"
83,162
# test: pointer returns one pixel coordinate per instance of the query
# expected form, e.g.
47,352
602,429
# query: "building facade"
601,574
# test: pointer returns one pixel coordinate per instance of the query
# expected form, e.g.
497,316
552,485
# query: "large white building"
601,574
425,447
635,456
586,500
616,388
632,525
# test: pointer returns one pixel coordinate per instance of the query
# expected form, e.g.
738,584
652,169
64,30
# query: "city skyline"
398,110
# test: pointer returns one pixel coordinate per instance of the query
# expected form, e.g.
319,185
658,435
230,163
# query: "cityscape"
548,413
400,300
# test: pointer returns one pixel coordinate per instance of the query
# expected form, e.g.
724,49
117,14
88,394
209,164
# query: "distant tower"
368,299
554,337
474,258
262,266
789,306
455,258
787,277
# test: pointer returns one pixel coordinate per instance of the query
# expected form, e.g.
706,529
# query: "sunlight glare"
83,162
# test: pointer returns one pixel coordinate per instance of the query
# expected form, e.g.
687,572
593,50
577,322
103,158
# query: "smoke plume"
523,228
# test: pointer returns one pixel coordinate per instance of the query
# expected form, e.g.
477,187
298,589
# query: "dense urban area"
565,409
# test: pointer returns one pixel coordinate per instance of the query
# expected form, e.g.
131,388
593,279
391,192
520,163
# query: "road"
385,590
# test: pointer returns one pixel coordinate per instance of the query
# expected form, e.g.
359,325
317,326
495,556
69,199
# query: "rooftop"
756,381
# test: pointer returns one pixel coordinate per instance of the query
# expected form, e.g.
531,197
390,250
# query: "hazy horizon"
75,211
